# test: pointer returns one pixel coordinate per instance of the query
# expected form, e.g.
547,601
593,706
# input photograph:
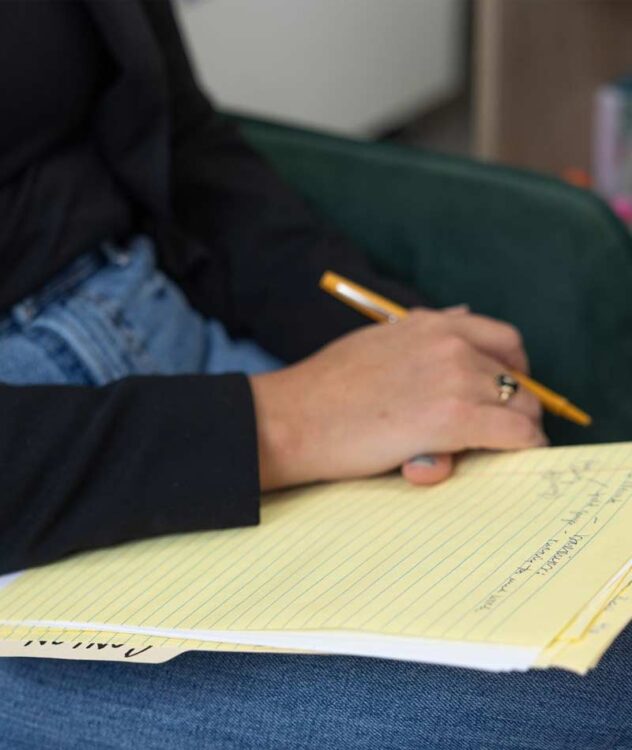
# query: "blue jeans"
113,314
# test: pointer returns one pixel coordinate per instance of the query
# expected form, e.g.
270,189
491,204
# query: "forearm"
92,467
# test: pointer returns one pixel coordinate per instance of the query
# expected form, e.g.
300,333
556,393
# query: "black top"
104,132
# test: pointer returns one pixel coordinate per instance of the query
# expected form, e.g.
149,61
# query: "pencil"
382,310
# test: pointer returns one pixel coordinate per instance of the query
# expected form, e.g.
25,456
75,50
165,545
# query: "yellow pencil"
382,310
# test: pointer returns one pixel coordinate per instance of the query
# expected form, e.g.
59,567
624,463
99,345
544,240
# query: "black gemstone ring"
507,387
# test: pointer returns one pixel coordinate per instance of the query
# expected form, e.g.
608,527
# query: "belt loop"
24,312
115,254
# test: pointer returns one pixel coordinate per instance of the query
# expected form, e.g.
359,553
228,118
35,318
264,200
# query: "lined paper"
506,554
580,654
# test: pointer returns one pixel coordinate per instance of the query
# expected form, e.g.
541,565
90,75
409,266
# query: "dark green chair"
531,250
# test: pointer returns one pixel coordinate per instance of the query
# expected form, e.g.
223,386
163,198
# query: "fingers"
500,340
425,470
498,428
464,372
484,391
492,428
456,310
484,381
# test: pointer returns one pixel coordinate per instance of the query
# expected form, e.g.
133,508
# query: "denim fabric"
201,701
112,314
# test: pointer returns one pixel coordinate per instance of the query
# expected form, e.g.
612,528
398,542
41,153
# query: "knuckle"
454,347
426,322
513,337
420,313
460,380
419,316
418,321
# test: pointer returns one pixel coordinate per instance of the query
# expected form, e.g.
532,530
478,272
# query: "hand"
371,400
425,469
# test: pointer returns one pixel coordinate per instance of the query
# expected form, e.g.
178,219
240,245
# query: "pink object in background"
622,206
612,147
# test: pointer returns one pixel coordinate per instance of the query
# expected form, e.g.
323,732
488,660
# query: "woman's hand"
373,399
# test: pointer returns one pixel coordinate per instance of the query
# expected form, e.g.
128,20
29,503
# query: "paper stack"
519,561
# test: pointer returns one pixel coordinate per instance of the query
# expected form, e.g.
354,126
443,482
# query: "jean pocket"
40,357
152,320
97,334
57,351
111,315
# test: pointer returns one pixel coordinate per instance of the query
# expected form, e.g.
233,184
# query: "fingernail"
423,461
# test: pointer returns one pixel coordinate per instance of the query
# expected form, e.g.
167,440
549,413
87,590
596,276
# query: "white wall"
349,66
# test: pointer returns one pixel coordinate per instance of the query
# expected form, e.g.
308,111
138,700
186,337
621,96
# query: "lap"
248,701
129,319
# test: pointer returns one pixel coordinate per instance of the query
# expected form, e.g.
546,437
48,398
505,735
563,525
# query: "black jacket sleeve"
82,467
88,467
262,251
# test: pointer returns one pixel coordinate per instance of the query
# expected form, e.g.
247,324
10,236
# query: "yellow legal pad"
520,560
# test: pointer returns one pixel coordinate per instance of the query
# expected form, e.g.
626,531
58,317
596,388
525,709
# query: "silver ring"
507,387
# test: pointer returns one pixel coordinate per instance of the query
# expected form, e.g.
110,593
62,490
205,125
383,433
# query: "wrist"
280,431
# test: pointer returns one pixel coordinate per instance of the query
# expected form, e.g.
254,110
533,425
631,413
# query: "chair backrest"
550,258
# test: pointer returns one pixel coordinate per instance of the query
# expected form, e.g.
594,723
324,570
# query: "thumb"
428,469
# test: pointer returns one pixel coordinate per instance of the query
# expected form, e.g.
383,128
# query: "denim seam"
123,335
58,350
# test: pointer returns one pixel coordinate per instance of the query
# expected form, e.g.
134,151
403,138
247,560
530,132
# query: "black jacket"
84,467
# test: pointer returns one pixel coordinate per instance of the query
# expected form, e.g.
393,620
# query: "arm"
261,252
83,467
88,467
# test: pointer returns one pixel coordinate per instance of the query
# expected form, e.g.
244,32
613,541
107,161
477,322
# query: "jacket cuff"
205,449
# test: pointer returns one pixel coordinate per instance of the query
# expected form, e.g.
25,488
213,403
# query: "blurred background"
540,84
